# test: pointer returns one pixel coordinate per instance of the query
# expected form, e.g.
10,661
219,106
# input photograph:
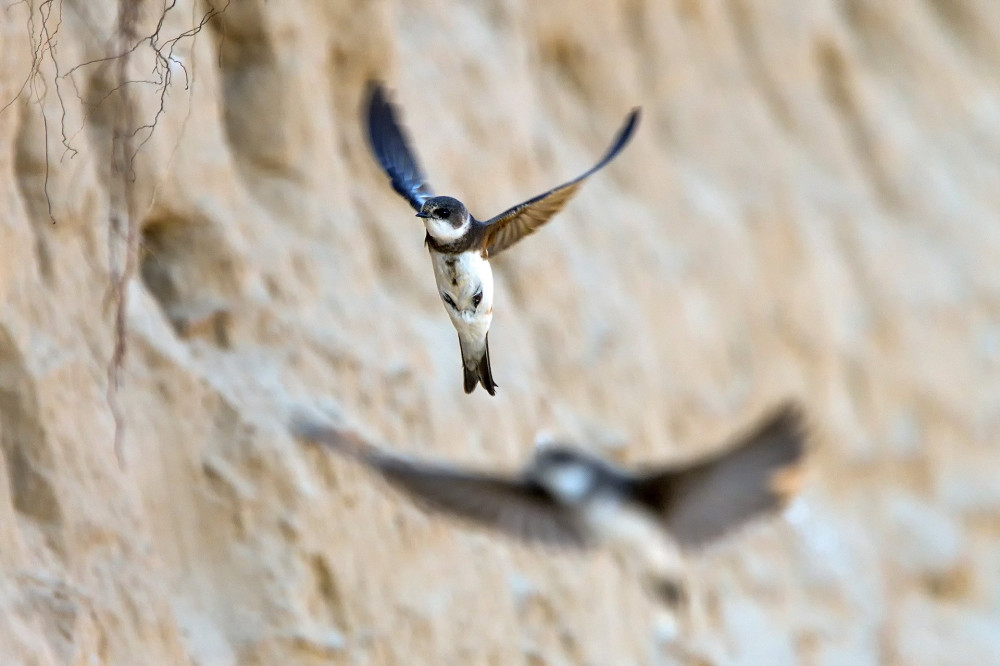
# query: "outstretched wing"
523,219
512,505
756,476
392,149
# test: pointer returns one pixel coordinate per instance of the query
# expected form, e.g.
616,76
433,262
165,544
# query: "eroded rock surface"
811,208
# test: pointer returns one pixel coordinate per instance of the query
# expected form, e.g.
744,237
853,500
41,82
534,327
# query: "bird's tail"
478,371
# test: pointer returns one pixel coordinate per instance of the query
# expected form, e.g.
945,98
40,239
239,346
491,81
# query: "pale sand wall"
810,209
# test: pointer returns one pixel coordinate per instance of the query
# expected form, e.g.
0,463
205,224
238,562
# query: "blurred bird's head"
567,473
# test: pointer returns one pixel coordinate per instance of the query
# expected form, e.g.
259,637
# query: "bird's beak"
423,214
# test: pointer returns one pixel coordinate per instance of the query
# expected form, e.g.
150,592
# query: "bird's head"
567,473
446,218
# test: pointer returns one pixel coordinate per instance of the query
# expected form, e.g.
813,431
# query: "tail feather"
485,372
471,378
480,373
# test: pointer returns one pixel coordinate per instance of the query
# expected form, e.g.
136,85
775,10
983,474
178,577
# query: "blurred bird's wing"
523,219
391,147
755,476
512,505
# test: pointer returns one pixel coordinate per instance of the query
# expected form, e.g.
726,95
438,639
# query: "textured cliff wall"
810,209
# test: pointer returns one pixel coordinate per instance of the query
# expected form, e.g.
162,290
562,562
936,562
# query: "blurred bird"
459,244
568,497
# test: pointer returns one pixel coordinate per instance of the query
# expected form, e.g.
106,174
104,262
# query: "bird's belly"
633,532
616,522
466,280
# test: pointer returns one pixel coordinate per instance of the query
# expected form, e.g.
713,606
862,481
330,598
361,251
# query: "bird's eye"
477,298
443,213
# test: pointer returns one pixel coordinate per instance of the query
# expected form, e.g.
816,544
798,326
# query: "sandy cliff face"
810,209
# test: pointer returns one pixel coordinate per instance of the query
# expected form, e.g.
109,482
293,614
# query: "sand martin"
568,497
459,244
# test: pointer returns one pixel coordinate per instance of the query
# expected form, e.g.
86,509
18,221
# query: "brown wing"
514,506
511,505
523,219
756,476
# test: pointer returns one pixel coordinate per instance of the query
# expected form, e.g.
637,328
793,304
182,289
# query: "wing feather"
525,218
509,504
391,147
756,476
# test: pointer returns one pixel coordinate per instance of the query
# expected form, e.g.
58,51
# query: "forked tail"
478,371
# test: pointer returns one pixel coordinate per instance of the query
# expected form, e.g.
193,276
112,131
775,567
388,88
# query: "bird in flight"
566,496
461,245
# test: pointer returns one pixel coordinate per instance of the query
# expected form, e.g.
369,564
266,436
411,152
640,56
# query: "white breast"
443,232
461,277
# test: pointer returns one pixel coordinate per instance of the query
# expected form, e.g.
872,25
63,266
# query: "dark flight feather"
392,149
755,476
513,505
525,218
